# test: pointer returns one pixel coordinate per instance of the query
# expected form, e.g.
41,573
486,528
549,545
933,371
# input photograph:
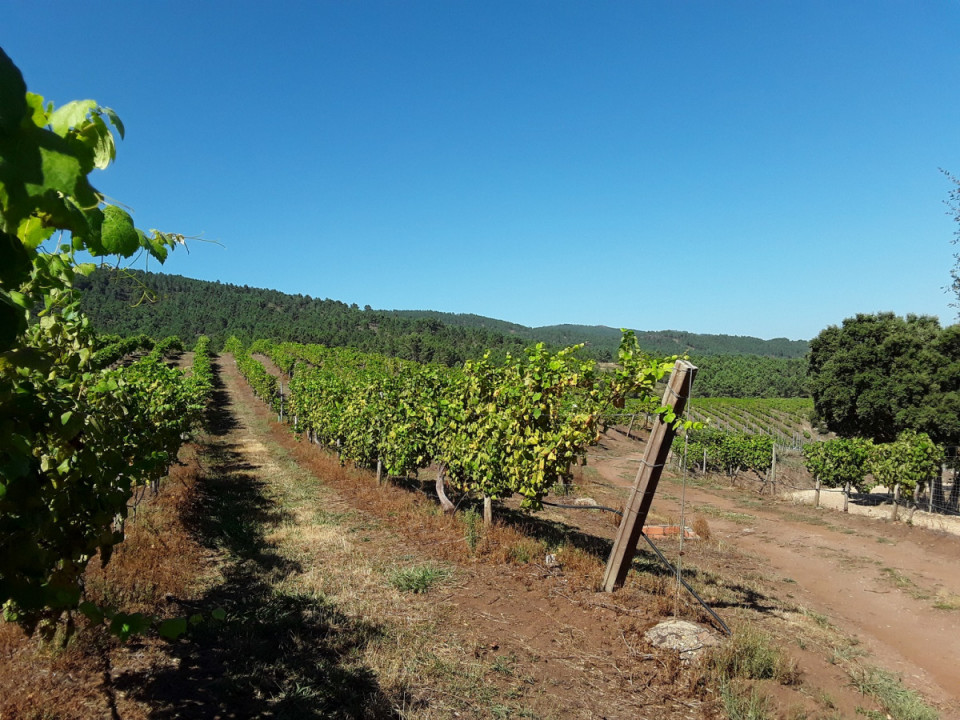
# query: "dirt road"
893,587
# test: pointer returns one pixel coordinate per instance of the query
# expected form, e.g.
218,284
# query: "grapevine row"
493,429
74,438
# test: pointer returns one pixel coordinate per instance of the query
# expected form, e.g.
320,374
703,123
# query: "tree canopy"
878,375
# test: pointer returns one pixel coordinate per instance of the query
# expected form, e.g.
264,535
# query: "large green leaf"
118,235
72,115
98,139
14,261
13,91
37,170
13,321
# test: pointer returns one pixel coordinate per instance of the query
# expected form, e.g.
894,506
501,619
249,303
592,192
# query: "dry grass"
154,568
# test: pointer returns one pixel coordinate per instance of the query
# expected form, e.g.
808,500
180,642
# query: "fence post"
648,476
773,470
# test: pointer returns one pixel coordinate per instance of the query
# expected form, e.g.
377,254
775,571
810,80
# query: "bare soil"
877,581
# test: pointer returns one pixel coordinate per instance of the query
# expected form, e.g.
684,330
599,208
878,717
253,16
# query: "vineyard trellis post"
648,476
773,468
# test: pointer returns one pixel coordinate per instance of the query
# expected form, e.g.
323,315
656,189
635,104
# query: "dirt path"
875,581
504,639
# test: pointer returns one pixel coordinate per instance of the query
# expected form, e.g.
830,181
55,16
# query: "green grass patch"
947,602
418,579
745,703
899,702
739,518
751,654
904,583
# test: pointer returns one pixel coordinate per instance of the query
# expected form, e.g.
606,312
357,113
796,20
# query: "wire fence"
940,496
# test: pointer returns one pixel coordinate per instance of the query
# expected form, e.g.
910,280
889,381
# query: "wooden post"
846,497
487,511
632,418
773,470
896,502
379,470
816,502
648,476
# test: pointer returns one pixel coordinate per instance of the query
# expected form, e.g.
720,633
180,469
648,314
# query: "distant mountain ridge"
668,342
190,307
176,305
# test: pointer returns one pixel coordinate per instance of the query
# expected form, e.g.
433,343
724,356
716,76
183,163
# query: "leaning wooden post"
648,476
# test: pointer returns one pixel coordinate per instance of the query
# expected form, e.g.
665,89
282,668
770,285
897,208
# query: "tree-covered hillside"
603,341
156,304
159,305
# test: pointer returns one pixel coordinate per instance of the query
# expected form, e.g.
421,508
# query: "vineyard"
493,429
786,420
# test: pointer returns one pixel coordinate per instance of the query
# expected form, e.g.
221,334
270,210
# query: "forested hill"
605,340
159,305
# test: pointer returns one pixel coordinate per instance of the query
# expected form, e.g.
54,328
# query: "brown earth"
876,581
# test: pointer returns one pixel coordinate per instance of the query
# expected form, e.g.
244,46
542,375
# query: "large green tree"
878,375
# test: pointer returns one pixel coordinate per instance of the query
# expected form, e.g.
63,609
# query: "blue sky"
749,168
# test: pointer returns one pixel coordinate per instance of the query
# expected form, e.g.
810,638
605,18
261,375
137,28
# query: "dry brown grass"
155,565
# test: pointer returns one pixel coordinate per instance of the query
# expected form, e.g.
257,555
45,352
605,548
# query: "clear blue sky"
752,168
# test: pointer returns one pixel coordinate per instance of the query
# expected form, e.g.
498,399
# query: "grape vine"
493,429
74,438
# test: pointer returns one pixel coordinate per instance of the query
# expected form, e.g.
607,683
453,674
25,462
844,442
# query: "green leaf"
91,611
173,628
158,249
96,136
15,262
219,614
32,232
36,110
114,119
124,625
72,115
118,235
13,91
